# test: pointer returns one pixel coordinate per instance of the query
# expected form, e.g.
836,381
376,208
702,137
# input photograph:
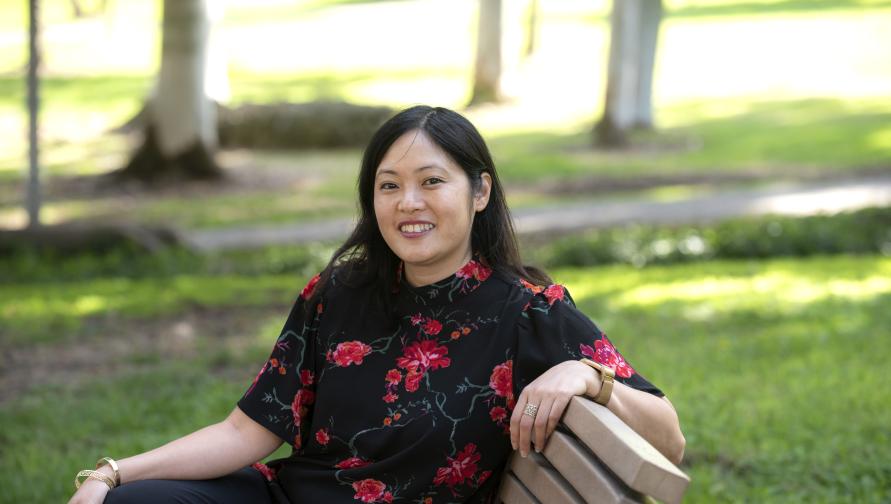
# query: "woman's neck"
421,275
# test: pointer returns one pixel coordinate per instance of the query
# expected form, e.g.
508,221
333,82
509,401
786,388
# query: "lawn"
776,369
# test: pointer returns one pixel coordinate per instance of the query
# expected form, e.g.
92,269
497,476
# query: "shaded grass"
776,369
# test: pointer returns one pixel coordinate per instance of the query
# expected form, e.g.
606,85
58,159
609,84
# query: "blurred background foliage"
770,334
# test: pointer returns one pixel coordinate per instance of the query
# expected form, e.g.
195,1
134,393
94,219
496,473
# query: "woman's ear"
481,198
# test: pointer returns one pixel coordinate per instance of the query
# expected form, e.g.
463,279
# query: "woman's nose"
411,200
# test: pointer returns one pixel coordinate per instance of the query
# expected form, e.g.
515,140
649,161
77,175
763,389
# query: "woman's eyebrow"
389,171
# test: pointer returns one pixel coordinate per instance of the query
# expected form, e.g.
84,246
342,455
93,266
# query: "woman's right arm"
211,452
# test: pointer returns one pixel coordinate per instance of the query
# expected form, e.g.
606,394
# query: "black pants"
246,486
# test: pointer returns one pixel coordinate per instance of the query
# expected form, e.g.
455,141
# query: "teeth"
416,228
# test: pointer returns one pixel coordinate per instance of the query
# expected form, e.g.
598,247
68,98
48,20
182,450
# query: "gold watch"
607,378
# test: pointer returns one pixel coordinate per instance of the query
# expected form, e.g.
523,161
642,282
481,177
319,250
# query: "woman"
415,362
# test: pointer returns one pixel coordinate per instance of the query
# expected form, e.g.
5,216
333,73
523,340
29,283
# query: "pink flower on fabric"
416,319
432,327
607,355
352,463
475,270
554,293
459,468
350,352
302,399
393,377
501,380
310,287
391,397
306,377
323,437
268,473
413,379
498,414
425,355
369,490
483,477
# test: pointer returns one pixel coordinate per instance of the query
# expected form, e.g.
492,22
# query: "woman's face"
425,207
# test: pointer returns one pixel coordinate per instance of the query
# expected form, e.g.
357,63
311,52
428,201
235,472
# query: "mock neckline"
459,284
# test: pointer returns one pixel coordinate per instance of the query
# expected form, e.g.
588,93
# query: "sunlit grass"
781,391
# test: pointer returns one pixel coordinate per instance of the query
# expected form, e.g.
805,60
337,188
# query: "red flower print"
498,414
391,397
351,463
388,421
535,289
416,319
302,398
369,490
432,327
483,477
455,335
310,287
388,497
413,379
268,473
424,354
554,293
322,437
474,269
459,468
306,377
607,355
501,380
350,352
393,377
281,370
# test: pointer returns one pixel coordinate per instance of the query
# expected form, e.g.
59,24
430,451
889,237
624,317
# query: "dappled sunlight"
769,291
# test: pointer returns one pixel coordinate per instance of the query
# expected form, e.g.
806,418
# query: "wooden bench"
592,457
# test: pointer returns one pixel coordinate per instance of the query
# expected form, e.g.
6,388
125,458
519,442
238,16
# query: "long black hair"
366,259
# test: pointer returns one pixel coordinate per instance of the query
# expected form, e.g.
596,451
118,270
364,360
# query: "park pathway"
782,199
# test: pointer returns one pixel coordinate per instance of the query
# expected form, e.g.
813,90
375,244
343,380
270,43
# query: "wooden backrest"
592,457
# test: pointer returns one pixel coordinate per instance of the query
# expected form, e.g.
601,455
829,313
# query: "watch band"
607,379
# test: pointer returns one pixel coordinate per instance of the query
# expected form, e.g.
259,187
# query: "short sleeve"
283,392
552,330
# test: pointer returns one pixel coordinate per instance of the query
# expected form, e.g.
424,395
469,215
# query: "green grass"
777,370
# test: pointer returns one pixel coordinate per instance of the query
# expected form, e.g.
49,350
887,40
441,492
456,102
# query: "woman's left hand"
551,392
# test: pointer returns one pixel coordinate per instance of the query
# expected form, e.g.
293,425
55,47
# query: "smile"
416,228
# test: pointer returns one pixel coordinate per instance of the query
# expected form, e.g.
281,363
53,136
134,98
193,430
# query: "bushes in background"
865,231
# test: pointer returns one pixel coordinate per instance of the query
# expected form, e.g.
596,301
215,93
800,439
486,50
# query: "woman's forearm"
654,418
211,452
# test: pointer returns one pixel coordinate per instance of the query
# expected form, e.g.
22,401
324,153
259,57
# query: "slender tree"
487,70
180,130
33,199
634,26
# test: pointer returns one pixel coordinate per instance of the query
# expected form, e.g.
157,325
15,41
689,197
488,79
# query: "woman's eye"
433,180
388,185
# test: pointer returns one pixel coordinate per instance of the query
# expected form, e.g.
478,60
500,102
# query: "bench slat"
543,481
513,492
585,473
628,455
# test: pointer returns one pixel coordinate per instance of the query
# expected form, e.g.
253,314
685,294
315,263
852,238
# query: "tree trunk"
33,198
487,73
633,37
180,134
651,18
531,27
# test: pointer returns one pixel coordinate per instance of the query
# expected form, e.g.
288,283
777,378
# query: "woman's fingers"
557,410
515,420
540,426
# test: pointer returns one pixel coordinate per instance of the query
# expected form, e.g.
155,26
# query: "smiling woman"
413,364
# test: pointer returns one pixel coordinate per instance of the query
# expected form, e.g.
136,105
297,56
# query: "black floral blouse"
415,409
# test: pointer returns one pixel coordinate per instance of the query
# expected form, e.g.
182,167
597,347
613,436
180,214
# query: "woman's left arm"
653,417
